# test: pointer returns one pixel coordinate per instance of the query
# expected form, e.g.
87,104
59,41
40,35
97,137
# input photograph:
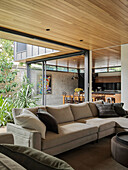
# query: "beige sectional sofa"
78,125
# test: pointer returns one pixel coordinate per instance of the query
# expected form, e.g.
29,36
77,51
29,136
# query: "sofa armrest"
6,138
25,137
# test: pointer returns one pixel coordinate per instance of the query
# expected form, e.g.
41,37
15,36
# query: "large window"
21,47
110,69
115,69
73,70
53,68
65,69
100,70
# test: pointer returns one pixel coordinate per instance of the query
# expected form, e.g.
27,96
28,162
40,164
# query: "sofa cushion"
102,124
33,159
62,113
28,120
121,122
119,109
17,111
49,121
81,110
7,163
106,110
93,107
67,133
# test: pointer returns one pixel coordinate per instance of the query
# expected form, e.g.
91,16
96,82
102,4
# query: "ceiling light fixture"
47,29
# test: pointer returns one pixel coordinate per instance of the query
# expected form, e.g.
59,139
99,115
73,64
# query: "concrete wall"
124,75
60,82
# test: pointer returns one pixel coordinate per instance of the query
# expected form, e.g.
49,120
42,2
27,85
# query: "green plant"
7,74
24,96
6,106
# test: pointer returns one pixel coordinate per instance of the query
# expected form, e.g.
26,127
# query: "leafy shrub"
24,96
6,106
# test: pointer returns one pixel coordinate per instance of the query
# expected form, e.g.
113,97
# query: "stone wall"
61,82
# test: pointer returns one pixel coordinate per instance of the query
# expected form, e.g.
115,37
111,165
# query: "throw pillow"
106,110
33,159
93,107
81,111
61,113
7,163
28,120
49,121
119,109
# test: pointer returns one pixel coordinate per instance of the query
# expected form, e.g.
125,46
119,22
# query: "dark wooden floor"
93,156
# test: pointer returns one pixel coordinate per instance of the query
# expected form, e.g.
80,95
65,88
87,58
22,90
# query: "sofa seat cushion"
121,122
7,163
62,113
102,124
67,133
81,110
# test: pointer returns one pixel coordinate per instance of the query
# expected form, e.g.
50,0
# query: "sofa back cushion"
7,163
33,159
35,109
93,107
119,109
81,111
29,120
62,113
106,110
17,112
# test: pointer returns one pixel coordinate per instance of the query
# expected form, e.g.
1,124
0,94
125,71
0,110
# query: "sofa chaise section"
105,127
70,135
121,124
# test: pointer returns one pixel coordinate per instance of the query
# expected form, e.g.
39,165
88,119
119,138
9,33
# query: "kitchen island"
104,95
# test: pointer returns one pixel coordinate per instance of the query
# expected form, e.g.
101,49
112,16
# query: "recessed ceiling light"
47,29
81,40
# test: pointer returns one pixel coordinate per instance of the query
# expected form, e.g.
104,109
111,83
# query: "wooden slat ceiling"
107,57
99,23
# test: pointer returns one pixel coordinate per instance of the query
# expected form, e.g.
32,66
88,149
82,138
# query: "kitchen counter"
115,95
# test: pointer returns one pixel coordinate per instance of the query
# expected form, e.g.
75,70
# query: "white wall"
124,75
60,82
90,76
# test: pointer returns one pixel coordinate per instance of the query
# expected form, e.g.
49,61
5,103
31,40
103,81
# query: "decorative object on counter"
78,90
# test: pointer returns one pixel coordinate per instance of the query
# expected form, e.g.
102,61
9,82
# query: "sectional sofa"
78,125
